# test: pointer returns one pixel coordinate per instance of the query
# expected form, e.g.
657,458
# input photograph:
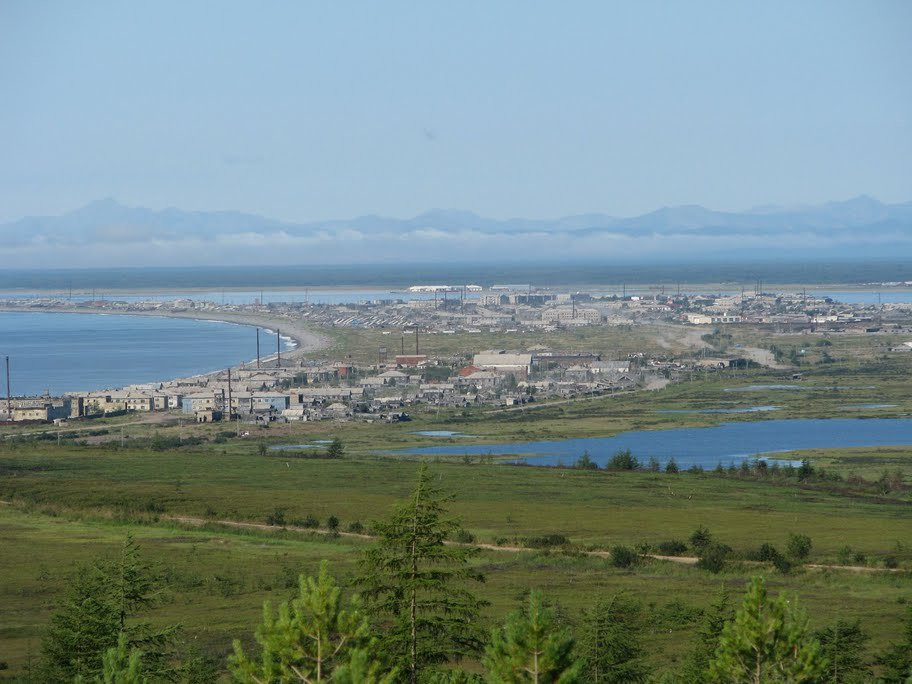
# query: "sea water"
63,352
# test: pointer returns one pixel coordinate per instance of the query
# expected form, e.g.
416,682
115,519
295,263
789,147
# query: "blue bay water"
64,352
705,446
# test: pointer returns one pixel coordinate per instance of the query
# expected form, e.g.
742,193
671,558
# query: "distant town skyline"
316,111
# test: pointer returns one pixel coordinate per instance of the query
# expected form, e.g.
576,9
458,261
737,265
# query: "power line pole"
258,348
9,396
278,348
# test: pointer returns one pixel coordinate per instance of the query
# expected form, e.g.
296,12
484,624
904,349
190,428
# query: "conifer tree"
122,664
310,637
531,647
362,668
843,644
715,617
100,604
896,661
416,583
84,626
134,587
768,641
610,641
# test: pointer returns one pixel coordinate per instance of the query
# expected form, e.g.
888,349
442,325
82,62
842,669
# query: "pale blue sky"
313,110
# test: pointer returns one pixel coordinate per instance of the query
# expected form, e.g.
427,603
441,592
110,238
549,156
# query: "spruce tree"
84,626
310,637
416,584
101,603
843,644
768,641
610,641
715,617
896,661
134,587
531,647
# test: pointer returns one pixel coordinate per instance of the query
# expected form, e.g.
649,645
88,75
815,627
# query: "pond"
703,446
743,409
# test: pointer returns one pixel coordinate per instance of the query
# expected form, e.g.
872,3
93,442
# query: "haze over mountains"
106,233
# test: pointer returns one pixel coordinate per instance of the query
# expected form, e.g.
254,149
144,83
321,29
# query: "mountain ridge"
107,229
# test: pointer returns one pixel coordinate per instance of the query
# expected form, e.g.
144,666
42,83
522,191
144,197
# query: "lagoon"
727,443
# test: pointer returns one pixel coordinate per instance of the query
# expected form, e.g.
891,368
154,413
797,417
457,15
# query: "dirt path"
597,553
762,356
153,418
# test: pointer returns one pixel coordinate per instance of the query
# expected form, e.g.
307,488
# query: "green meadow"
67,503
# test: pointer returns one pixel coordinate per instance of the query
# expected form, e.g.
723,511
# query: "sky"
307,111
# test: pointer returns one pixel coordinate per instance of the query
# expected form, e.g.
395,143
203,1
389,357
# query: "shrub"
309,521
672,466
153,506
844,555
767,553
332,523
799,546
546,541
701,538
781,563
464,537
712,557
585,462
860,558
890,562
336,449
623,460
277,517
356,527
672,547
623,557
653,464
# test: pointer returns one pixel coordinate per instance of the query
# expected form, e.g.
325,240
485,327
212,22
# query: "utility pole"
278,348
9,396
229,394
416,340
121,436
258,348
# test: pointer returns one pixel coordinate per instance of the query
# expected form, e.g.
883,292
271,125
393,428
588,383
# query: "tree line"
415,618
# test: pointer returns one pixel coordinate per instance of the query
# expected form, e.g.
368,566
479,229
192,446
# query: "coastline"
305,340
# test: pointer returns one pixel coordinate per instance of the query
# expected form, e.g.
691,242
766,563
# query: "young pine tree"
417,584
312,636
768,641
610,641
122,664
715,617
531,647
843,644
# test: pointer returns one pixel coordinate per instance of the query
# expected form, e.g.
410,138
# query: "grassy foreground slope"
70,504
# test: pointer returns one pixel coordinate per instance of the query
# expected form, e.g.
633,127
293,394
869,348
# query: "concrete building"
504,362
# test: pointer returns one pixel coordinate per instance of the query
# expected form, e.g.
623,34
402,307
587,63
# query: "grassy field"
70,503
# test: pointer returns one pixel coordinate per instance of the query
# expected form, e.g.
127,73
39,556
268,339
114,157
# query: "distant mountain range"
105,233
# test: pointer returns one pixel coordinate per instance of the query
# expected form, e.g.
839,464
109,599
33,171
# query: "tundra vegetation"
410,611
